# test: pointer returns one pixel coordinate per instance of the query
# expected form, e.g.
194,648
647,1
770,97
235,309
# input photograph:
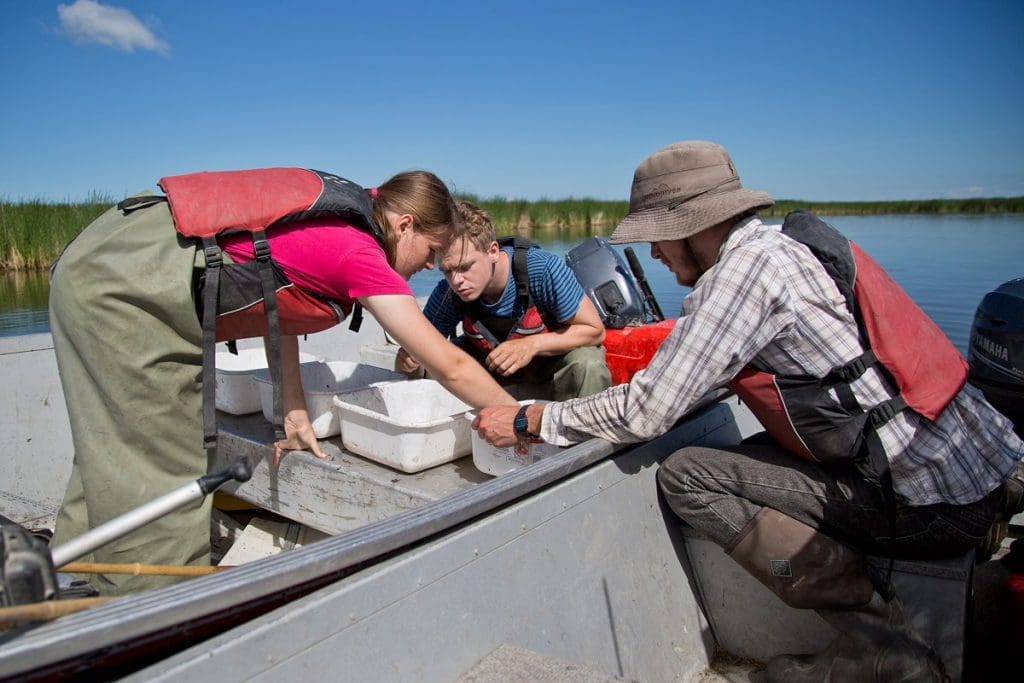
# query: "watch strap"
521,425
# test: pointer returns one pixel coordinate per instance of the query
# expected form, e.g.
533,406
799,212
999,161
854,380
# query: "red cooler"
630,349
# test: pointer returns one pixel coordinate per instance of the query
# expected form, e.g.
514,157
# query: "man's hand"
407,365
299,436
512,355
494,424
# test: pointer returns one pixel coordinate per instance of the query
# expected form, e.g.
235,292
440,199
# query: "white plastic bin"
321,381
494,461
410,425
237,392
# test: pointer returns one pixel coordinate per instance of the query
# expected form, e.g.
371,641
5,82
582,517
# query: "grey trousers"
718,491
128,345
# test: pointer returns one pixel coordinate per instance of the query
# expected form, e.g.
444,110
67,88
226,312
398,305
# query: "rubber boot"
802,566
875,643
1012,503
808,569
1013,493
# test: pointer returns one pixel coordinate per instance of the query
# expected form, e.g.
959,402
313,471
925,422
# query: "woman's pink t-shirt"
326,257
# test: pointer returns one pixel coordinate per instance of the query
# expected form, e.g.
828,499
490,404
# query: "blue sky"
814,100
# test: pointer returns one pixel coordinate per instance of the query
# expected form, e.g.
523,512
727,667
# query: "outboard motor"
608,282
996,352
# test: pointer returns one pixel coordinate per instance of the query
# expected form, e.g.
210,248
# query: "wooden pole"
137,569
45,611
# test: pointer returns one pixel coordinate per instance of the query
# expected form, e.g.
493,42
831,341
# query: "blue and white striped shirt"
556,293
768,300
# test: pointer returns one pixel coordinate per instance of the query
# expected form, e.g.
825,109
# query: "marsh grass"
520,215
32,233
901,207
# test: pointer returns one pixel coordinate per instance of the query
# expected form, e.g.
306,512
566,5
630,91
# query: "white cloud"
87,21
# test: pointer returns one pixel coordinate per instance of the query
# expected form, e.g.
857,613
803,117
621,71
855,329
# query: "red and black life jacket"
256,298
484,331
899,339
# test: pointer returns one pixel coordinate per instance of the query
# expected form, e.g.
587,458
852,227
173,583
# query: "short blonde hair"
475,225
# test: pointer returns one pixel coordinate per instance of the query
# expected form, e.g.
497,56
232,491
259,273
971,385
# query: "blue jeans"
718,491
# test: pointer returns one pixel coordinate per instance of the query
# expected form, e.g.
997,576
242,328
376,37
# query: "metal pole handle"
124,524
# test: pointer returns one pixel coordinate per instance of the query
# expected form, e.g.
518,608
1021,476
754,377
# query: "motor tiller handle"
638,273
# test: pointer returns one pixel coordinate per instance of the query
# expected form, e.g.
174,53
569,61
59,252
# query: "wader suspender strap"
211,286
262,250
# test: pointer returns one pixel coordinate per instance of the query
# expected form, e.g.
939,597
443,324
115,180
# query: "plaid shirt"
767,300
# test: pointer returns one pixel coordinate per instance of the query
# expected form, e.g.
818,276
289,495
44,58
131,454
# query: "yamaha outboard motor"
996,353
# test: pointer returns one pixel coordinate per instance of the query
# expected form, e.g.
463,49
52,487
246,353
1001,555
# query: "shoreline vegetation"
32,233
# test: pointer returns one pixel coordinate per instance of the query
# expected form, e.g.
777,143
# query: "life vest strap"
854,369
357,317
260,246
886,410
212,253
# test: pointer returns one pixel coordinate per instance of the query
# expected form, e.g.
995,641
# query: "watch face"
520,425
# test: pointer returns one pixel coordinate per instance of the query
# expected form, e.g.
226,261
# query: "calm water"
946,263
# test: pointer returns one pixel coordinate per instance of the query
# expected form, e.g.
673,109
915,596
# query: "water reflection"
23,302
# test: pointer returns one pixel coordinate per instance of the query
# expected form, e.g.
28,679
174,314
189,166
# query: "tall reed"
519,215
905,206
33,233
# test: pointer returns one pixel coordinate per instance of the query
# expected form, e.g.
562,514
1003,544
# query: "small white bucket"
494,461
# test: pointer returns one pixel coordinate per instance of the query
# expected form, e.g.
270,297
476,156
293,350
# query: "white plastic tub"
494,461
321,381
237,392
410,425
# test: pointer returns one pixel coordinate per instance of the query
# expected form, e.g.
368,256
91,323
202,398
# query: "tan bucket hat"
682,189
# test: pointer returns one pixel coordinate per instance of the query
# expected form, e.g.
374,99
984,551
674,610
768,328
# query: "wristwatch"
521,426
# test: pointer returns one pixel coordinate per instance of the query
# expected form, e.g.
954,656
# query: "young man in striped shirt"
524,315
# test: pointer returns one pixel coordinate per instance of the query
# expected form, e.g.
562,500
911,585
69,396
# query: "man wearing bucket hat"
764,304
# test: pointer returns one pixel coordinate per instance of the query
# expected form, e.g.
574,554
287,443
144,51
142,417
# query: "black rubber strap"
211,285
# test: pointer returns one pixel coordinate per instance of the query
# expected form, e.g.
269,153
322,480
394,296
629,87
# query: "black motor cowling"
996,352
